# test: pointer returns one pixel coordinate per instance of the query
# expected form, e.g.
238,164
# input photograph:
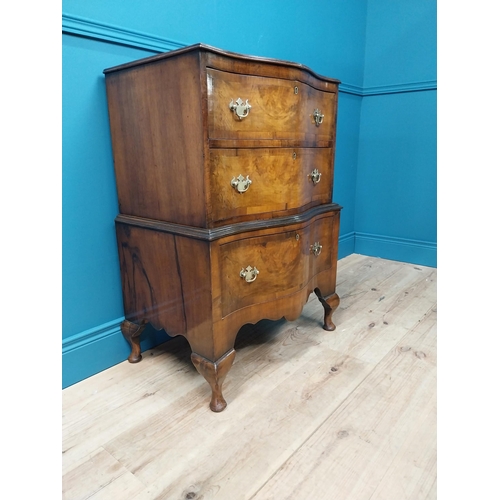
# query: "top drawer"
256,107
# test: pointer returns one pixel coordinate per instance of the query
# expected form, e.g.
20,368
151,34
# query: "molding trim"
93,335
223,231
400,88
88,28
346,244
400,249
99,348
80,26
347,88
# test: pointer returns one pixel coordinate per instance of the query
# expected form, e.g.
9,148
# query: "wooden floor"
344,415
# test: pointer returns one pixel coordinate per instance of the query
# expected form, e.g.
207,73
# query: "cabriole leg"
132,333
215,373
330,304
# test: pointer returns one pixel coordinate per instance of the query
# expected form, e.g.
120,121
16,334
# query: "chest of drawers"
224,171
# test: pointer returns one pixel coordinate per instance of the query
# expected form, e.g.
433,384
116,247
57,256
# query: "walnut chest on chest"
224,171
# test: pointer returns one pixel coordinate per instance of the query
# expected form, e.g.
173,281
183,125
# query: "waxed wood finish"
157,140
310,414
144,261
215,373
163,285
212,234
284,260
281,181
281,109
169,114
240,63
262,66
225,218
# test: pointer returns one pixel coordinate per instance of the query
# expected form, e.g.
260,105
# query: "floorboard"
349,414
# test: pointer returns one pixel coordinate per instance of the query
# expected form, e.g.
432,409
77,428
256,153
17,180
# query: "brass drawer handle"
240,108
250,274
316,248
318,117
315,176
240,183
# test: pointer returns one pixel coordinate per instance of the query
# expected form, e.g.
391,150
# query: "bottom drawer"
259,269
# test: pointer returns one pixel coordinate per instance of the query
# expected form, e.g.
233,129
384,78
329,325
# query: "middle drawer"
258,181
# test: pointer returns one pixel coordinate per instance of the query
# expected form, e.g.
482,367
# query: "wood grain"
267,221
178,145
113,401
169,113
204,283
281,182
311,414
101,476
358,447
280,108
239,63
156,171
284,261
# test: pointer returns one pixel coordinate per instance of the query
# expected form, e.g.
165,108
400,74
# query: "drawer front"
321,245
261,180
280,109
265,268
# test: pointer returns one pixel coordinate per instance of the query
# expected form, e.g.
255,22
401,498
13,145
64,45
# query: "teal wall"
334,38
396,191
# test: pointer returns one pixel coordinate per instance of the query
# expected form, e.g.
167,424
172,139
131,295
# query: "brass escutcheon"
316,248
318,117
240,108
315,176
250,274
240,183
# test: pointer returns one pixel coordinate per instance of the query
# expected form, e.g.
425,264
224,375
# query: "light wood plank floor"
345,415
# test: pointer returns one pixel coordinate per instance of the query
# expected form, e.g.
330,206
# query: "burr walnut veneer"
224,171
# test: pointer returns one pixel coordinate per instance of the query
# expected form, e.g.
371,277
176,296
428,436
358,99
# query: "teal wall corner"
346,245
396,183
403,250
97,349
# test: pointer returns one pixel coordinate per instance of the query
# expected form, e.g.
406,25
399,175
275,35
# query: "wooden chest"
224,171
